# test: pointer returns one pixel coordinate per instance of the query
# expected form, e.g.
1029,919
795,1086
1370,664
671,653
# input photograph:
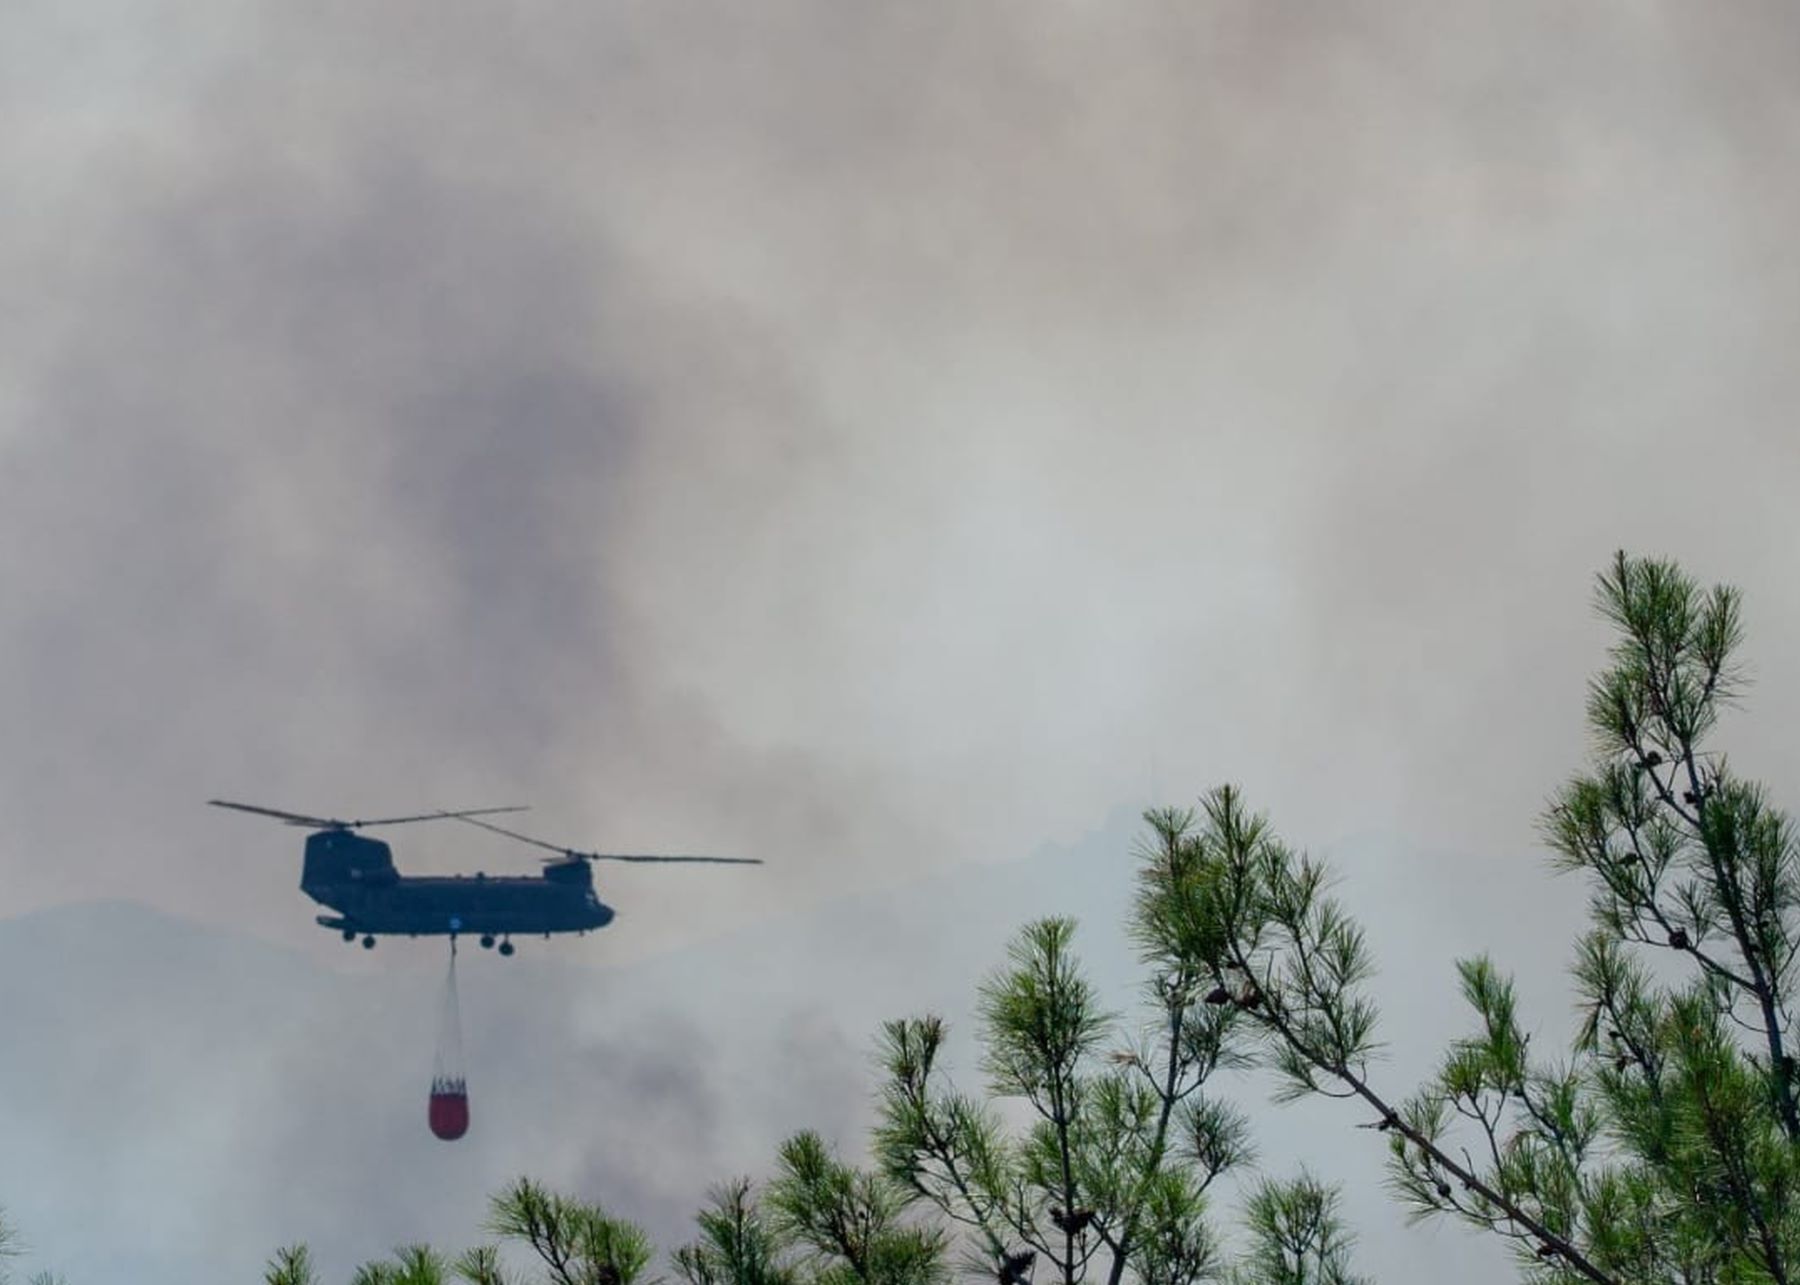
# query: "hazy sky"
867,437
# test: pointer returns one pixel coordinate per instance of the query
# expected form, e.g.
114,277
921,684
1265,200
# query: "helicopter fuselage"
356,877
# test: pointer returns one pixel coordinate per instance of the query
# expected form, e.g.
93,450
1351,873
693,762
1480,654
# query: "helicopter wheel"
349,934
506,948
369,942
487,941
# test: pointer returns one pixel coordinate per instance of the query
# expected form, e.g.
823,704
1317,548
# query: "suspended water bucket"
448,1111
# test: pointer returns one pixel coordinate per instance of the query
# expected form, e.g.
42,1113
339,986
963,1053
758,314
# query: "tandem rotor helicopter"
356,877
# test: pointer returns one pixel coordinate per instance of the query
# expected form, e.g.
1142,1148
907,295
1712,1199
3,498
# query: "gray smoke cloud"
874,439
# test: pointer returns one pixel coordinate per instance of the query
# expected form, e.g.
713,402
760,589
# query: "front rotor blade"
292,818
332,823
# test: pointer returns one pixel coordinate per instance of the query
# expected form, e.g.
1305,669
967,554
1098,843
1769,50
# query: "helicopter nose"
603,914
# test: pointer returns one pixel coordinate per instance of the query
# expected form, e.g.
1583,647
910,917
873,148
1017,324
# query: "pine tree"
291,1265
738,1245
1118,1167
1663,1148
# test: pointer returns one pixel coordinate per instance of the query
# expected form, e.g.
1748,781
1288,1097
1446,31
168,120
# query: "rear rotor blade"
514,834
714,861
570,854
438,816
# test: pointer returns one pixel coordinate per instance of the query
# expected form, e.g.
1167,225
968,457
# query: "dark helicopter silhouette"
356,877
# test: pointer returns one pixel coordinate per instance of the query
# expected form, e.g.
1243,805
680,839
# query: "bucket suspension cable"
449,1102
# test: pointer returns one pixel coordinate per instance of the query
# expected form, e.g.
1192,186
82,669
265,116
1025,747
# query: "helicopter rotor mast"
571,854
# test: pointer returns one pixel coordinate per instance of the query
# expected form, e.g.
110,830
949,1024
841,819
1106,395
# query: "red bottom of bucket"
449,1115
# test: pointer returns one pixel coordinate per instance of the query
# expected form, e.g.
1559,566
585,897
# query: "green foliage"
1123,1145
737,1244
577,1243
411,1265
849,1222
1173,1243
480,1266
1041,1019
1298,1238
1665,1146
291,1265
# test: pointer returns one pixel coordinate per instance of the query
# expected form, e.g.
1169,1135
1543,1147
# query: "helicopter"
356,877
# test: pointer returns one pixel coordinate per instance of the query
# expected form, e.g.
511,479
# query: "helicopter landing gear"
487,941
369,941
349,934
506,948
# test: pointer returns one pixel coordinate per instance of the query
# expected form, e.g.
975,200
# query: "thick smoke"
869,438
